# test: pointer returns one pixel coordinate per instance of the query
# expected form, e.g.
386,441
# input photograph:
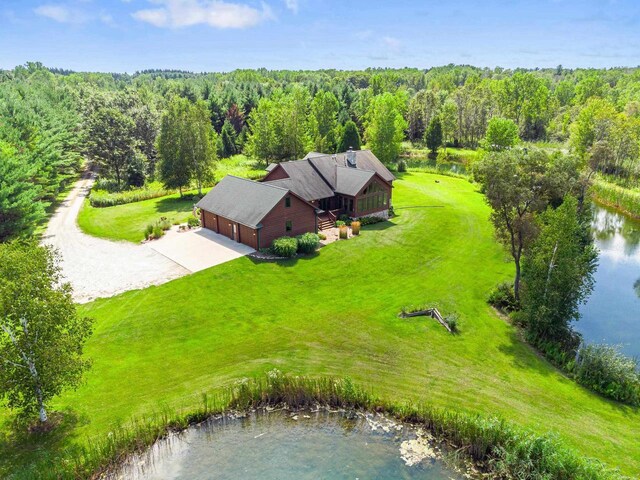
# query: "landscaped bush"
606,370
308,242
503,298
104,198
355,227
322,236
370,220
193,222
345,218
343,232
284,247
157,229
402,166
340,223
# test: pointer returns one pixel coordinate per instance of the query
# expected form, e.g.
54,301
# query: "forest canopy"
52,121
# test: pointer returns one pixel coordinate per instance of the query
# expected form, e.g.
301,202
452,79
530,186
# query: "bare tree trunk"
516,282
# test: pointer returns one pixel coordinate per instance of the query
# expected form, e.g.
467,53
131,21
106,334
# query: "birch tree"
41,335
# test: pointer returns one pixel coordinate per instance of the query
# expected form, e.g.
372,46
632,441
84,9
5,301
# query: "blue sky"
211,35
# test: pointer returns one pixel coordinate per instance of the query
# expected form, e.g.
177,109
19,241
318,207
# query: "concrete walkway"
101,268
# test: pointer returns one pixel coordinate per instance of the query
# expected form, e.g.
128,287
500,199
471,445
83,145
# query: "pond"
612,312
286,445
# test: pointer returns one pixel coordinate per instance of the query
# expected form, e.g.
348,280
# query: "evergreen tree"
433,135
20,209
350,137
227,140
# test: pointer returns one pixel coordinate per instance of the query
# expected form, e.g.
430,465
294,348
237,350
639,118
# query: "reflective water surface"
283,445
612,313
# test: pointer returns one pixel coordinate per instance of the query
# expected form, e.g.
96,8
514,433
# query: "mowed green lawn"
127,222
336,314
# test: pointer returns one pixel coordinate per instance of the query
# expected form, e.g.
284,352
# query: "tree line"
141,127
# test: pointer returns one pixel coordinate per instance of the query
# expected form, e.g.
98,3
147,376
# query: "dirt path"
102,268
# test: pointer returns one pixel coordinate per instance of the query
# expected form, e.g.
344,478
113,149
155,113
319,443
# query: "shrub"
344,232
103,198
345,218
370,220
308,242
606,370
193,222
355,227
148,231
284,247
157,231
503,298
322,236
402,166
452,321
164,223
392,212
340,223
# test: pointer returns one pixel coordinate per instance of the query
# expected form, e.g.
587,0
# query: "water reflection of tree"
636,287
606,224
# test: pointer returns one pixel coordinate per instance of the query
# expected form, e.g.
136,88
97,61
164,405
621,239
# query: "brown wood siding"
300,213
365,211
277,173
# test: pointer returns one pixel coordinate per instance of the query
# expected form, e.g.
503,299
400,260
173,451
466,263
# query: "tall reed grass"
501,449
624,199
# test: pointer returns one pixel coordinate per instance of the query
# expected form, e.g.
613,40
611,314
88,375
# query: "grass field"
336,314
127,222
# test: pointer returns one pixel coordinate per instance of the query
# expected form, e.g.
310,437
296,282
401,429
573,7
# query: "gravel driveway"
102,268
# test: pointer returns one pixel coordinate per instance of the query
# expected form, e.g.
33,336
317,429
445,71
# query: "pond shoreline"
425,447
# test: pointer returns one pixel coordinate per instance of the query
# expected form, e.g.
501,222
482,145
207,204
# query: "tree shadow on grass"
21,447
173,204
525,357
288,262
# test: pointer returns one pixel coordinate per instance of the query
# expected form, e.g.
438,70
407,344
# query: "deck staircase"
327,219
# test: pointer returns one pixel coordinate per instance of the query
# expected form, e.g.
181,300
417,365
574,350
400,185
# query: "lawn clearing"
127,222
336,314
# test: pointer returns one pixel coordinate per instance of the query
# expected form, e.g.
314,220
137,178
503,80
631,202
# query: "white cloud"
392,42
215,13
62,13
292,5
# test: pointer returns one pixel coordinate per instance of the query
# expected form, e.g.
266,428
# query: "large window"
374,197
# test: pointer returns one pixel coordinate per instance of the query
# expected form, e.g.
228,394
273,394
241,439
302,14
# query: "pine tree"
433,135
350,137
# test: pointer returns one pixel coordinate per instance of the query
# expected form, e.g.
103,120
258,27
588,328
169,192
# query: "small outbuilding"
256,213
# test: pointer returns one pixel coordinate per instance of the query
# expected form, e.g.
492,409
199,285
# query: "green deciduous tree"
41,335
186,144
385,127
557,275
110,141
502,133
323,121
350,137
514,184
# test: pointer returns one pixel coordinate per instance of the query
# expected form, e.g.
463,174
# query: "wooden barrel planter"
355,228
344,232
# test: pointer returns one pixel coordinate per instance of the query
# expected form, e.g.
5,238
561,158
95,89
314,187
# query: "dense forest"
172,125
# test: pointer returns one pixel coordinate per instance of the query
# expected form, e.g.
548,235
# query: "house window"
287,202
288,226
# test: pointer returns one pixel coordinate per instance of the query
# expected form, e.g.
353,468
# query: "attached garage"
255,213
